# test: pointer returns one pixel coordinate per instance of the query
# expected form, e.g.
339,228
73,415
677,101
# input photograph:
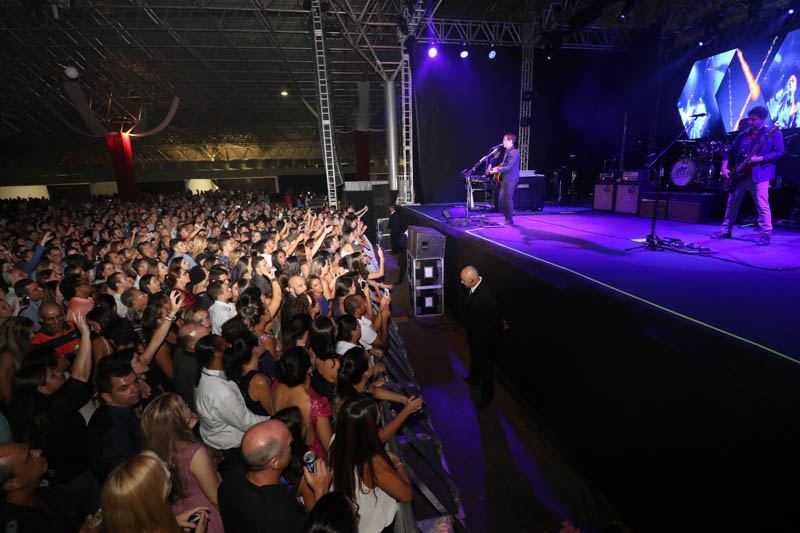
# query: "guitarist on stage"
508,175
754,152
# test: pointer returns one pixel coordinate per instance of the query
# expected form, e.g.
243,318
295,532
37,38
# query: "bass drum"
683,172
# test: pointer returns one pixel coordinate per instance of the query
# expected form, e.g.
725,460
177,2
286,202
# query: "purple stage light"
432,51
701,43
464,54
791,11
492,54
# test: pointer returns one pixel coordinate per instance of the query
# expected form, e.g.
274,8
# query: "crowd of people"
169,364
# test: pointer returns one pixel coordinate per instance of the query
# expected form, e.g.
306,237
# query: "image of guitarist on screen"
507,173
753,152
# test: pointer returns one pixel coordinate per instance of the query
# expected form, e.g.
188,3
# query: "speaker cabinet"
690,207
530,192
647,204
425,242
626,199
603,196
427,301
425,272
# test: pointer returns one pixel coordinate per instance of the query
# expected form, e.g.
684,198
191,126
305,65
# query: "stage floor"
737,289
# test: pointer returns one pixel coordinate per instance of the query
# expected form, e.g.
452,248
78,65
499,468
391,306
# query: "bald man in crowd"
256,501
484,325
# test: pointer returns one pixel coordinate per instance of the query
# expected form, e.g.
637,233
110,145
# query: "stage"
738,289
669,377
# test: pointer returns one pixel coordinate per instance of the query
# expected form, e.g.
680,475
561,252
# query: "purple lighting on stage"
464,54
432,51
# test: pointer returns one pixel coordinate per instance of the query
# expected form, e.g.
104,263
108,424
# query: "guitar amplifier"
608,176
529,195
635,176
603,196
626,199
648,203
690,207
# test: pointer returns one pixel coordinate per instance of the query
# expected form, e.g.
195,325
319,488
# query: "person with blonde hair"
167,425
134,500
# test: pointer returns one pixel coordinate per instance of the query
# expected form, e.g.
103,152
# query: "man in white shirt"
222,309
224,417
374,333
348,333
119,283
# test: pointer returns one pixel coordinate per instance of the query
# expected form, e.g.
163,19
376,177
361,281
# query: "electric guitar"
745,167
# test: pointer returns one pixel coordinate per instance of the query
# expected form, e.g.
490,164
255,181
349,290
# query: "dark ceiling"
229,60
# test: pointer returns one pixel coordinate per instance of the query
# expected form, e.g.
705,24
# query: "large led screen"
743,86
780,82
697,97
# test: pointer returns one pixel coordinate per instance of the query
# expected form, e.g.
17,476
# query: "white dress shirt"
224,417
368,335
220,313
343,346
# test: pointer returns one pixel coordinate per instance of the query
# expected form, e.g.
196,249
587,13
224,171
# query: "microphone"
498,146
697,115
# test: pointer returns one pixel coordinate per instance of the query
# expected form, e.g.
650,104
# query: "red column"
119,145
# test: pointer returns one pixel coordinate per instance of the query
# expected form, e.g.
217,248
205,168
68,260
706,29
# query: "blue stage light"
791,11
432,51
464,54
701,43
492,54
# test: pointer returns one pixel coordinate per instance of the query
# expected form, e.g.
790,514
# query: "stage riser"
669,419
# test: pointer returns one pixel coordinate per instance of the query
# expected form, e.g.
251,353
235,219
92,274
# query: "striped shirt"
64,342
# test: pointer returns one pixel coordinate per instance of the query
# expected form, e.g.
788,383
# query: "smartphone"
363,284
386,293
96,519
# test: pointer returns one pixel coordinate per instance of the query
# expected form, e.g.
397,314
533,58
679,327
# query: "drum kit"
698,165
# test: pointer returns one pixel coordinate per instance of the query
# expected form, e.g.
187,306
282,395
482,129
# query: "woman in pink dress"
293,388
167,424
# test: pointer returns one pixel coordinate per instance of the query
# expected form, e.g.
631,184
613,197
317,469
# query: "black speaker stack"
426,271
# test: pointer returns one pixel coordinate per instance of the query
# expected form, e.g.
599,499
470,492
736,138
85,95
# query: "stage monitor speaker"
603,197
690,207
626,199
425,242
530,193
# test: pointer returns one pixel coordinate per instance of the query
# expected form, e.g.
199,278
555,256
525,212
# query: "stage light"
700,43
549,58
432,51
492,54
71,73
464,54
284,93
791,11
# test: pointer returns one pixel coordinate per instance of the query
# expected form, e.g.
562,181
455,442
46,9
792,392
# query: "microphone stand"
652,241
467,174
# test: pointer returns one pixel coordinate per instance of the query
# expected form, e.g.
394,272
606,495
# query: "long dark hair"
293,418
352,366
291,369
333,513
239,354
322,338
356,446
29,413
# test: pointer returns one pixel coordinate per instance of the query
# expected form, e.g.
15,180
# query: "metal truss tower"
526,84
326,127
405,189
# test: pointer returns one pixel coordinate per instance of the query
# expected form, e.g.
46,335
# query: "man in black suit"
484,326
399,243
508,173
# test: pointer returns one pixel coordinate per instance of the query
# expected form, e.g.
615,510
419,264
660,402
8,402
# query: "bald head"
190,333
266,446
469,276
297,285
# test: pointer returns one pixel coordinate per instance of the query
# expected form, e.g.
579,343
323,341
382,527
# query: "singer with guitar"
754,152
507,173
